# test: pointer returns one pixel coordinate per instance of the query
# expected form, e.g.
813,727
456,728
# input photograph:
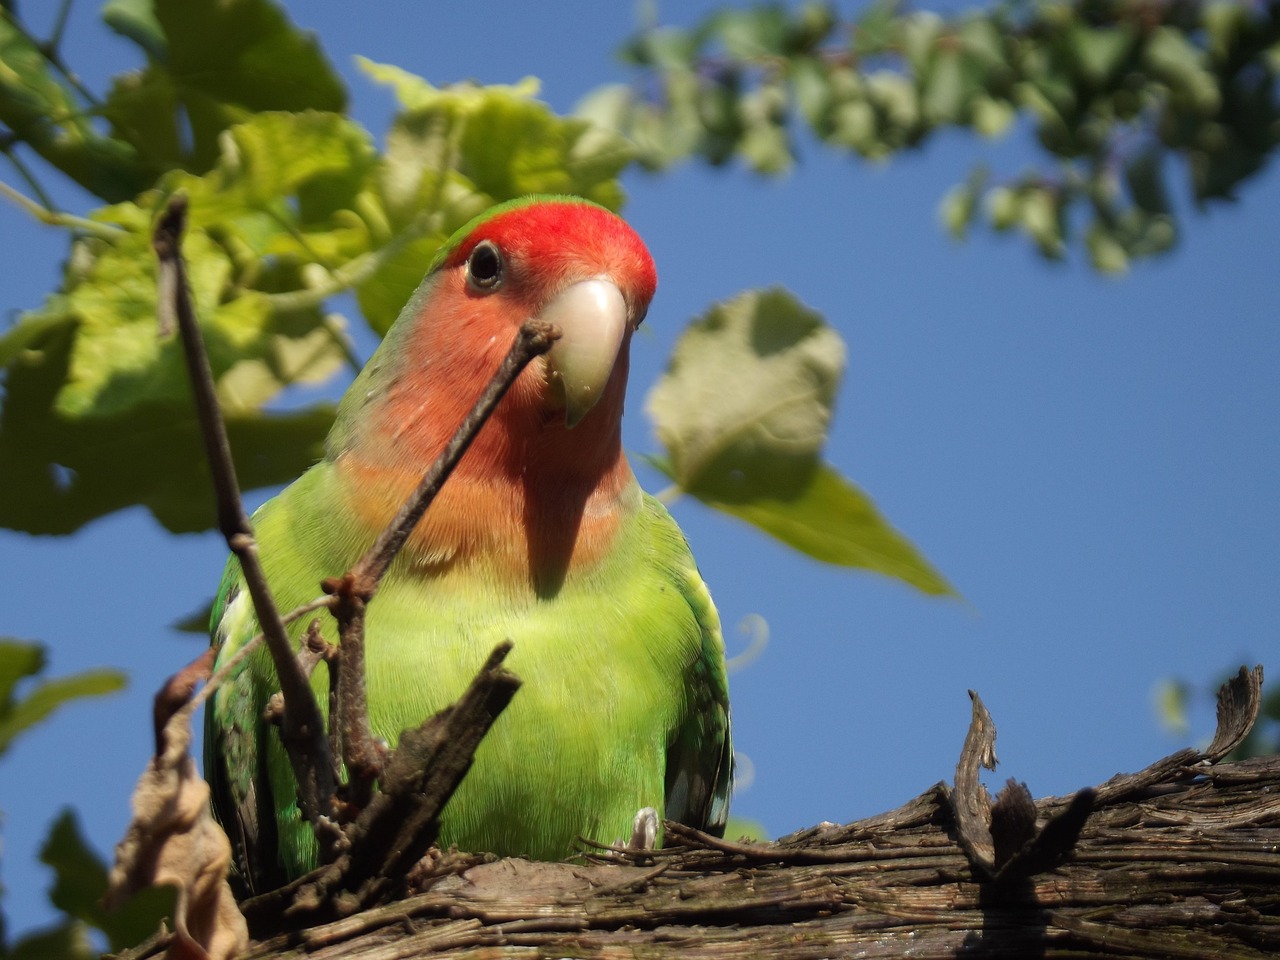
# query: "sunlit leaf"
230,57
745,404
743,412
39,109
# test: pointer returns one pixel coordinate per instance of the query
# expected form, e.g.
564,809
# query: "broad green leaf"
946,88
228,58
752,32
1225,21
80,882
1172,698
745,404
276,162
1041,216
454,151
991,116
960,203
58,471
740,828
764,144
811,85
919,33
19,661
42,111
136,20
895,96
1171,56
743,412
831,520
1003,207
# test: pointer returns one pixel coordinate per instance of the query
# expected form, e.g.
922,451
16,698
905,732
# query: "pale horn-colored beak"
592,317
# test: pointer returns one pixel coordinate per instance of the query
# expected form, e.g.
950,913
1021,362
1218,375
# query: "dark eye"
484,266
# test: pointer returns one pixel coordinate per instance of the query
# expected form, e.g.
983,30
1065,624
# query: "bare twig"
533,339
397,828
361,755
302,728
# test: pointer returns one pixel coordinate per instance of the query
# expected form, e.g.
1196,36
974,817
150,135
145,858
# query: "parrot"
541,536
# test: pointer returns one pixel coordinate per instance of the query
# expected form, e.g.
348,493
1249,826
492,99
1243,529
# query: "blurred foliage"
292,203
26,700
1175,697
1115,91
80,882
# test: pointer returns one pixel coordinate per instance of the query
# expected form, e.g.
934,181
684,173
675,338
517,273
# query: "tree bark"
1179,860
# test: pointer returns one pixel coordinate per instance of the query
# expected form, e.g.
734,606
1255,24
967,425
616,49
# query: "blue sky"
1092,462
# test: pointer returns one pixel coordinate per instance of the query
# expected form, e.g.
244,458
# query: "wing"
699,776
234,758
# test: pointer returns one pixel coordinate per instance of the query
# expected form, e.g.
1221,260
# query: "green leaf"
1106,252
745,404
59,472
66,941
18,660
136,20
1041,214
743,412
831,520
457,150
961,203
1172,698
752,32
946,88
227,58
80,882
41,111
1099,52
740,828
21,660
1171,56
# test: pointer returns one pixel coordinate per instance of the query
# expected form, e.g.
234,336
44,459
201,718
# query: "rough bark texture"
1179,860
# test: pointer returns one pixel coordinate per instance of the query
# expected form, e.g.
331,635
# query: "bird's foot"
644,830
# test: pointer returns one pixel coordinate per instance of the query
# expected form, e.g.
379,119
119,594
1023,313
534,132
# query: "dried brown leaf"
173,839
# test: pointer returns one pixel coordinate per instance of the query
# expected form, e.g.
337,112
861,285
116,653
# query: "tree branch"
1179,861
302,727
353,591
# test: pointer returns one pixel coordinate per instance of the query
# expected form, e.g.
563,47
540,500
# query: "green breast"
606,664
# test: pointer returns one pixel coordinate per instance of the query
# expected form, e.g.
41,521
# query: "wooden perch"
1179,860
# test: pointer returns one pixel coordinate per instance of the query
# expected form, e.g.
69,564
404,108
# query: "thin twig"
233,662
533,339
361,755
46,214
302,728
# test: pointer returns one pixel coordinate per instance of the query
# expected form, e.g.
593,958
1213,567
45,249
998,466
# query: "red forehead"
559,237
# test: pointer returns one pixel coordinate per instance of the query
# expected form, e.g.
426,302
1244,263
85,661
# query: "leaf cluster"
1113,90
292,203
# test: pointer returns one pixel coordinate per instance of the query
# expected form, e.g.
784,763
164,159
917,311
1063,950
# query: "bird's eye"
484,266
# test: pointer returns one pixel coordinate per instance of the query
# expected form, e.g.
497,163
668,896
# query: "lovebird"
541,536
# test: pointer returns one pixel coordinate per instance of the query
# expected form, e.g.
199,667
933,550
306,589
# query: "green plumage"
541,537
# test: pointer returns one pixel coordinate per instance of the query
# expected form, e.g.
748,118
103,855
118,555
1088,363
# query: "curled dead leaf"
173,839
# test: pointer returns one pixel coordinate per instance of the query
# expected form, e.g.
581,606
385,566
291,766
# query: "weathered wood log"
1179,860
